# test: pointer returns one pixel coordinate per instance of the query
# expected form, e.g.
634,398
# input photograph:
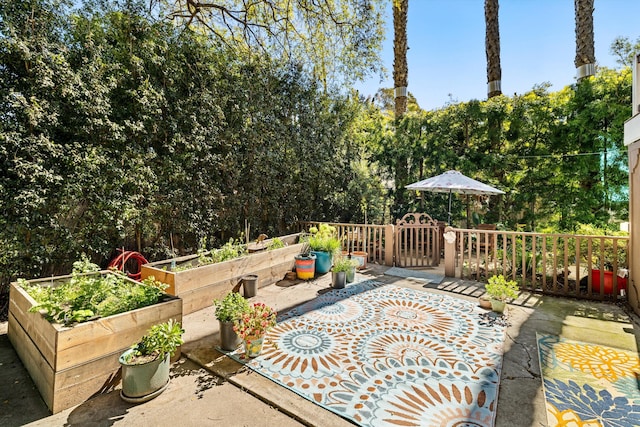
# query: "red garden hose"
123,257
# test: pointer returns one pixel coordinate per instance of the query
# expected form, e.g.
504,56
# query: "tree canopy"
338,40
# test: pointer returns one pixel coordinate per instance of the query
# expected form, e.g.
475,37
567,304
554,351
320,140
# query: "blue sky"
537,44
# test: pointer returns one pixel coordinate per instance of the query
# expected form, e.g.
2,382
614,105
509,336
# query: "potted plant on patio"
228,309
342,266
499,290
305,261
145,366
324,244
253,325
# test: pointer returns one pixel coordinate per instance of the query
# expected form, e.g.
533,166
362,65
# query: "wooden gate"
417,241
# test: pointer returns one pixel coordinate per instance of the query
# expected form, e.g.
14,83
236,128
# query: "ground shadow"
20,401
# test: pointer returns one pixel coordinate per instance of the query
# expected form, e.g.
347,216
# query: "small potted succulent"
253,325
499,290
228,310
145,366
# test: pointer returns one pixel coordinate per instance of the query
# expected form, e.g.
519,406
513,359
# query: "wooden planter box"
199,286
71,364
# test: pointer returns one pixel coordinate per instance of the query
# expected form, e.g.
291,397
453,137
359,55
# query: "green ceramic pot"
497,306
145,379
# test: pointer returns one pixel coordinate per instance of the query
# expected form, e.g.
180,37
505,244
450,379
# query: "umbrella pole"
449,217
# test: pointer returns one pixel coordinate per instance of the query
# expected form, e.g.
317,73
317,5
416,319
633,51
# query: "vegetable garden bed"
70,364
200,285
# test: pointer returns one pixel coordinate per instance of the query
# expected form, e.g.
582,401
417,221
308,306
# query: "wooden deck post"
389,244
449,252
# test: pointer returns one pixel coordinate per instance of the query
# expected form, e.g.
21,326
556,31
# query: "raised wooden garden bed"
71,364
199,286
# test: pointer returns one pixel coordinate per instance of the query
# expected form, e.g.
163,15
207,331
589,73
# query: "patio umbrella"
453,182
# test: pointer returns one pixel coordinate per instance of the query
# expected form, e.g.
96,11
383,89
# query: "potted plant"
323,243
228,309
341,267
499,290
305,261
145,366
252,326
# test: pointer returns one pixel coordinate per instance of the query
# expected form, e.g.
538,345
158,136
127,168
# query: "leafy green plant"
275,243
160,340
501,289
343,264
230,250
324,239
89,294
608,256
230,307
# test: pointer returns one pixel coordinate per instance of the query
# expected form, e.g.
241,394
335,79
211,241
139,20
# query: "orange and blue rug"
589,384
382,355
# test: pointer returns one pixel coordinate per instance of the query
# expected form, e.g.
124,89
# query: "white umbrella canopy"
453,182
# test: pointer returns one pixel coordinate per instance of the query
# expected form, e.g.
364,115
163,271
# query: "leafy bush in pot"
323,239
343,264
160,340
230,307
500,289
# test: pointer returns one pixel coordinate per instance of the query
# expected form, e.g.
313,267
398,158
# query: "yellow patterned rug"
588,384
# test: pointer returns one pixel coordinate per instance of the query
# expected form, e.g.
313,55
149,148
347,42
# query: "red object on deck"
123,257
608,282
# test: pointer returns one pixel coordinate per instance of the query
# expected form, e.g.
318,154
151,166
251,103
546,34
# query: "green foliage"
275,243
230,250
230,307
89,294
334,39
559,156
324,239
501,289
160,340
110,140
343,264
609,256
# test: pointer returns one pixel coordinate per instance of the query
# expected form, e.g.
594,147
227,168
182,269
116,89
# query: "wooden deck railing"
375,240
556,264
560,264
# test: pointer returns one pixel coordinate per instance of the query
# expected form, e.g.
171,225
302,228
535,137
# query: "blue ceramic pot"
323,261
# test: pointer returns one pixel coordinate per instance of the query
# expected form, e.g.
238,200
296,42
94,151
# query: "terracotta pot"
485,303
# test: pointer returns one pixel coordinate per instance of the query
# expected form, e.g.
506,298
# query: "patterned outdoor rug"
384,355
589,384
413,274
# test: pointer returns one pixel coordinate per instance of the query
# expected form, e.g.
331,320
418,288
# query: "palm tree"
492,48
400,68
585,57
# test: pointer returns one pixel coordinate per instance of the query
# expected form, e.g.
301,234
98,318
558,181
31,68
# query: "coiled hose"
137,260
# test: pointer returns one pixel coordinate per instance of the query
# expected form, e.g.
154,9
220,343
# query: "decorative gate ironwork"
417,241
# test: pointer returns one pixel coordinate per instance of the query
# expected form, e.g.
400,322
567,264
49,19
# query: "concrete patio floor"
207,388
